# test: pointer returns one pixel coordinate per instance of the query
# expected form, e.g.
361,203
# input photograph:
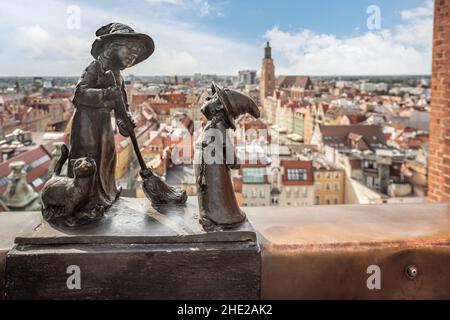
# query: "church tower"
267,82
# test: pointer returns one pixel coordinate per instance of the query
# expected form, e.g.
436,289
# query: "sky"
320,37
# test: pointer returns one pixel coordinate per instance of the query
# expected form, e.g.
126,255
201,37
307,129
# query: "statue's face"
127,55
211,105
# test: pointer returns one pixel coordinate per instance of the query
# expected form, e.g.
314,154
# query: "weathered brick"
439,164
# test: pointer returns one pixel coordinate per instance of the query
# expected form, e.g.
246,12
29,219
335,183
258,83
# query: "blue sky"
321,37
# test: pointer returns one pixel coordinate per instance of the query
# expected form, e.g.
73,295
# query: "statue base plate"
136,252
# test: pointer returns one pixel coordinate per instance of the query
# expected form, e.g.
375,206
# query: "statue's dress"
92,134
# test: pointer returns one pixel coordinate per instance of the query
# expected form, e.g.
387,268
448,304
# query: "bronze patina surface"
136,252
215,156
135,221
90,189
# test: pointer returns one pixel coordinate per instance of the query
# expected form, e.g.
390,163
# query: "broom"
156,190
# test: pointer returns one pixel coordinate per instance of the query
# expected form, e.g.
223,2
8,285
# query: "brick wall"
439,157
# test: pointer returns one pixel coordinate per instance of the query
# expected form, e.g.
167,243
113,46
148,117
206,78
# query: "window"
37,182
336,187
297,174
318,186
336,200
328,201
253,175
328,187
317,200
318,176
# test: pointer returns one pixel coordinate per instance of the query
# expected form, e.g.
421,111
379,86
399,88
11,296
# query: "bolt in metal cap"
412,271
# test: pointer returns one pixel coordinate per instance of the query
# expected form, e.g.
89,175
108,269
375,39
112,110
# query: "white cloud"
33,40
404,50
45,46
417,28
205,8
417,32
39,43
415,13
183,49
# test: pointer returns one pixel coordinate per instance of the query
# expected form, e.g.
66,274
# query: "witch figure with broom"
100,91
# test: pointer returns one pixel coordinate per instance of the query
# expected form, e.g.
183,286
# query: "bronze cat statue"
61,196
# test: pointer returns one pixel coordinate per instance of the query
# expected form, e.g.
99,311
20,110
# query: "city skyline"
213,37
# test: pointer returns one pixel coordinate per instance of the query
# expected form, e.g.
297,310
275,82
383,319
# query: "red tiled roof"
138,99
41,152
161,108
356,118
62,94
294,81
175,97
297,164
251,164
335,135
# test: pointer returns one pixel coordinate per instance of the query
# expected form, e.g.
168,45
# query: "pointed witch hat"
235,104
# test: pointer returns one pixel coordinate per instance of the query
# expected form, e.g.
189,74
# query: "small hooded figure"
215,156
117,47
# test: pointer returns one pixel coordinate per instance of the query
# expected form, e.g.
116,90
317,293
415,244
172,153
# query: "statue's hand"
130,117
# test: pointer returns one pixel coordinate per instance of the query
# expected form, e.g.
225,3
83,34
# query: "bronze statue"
215,156
100,91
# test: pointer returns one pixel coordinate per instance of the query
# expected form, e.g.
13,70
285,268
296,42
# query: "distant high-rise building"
247,76
267,82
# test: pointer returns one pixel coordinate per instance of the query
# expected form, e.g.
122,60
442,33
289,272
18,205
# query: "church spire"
268,51
267,79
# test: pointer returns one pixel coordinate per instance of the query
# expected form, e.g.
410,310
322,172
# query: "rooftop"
337,135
